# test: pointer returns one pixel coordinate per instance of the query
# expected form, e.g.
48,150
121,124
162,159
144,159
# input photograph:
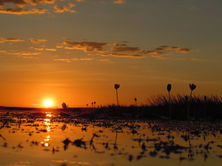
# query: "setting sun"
47,103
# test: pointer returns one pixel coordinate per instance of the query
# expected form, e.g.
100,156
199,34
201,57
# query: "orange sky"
75,51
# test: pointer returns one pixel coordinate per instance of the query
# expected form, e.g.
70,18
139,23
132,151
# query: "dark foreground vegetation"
160,107
177,108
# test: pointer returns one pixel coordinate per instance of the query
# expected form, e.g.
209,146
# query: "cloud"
109,49
164,52
120,55
173,48
122,47
26,54
68,60
34,2
159,56
37,41
118,2
80,0
22,3
59,6
21,11
62,9
3,40
19,3
22,54
86,46
40,49
50,49
184,50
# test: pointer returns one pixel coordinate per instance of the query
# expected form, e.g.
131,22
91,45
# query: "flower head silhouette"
169,87
117,86
192,88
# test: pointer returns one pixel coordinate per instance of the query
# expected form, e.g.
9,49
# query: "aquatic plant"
192,88
117,86
202,107
135,99
64,106
169,87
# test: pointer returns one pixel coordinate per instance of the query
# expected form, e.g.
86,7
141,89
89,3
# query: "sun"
47,103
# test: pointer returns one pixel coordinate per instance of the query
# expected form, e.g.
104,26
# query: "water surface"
50,138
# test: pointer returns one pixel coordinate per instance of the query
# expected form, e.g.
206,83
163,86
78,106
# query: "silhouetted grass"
160,107
201,107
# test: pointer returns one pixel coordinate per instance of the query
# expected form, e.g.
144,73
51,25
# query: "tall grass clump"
202,107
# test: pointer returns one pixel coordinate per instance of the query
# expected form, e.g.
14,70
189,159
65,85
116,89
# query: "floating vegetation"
62,136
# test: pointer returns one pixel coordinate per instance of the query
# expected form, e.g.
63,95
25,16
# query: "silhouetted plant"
205,106
116,86
169,87
186,98
192,88
135,99
64,106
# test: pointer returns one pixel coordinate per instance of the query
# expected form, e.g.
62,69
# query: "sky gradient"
76,50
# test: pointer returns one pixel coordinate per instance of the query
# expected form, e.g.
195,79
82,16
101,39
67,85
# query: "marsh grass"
199,107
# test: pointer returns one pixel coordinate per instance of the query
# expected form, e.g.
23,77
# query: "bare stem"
117,99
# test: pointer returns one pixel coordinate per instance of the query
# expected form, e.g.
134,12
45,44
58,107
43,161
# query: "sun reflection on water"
47,123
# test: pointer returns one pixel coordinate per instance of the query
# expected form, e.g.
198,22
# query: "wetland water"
49,138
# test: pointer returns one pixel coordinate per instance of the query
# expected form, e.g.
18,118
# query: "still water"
49,138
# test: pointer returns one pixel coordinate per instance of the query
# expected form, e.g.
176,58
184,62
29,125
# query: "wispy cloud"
118,2
120,55
164,52
22,3
85,46
80,0
19,8
37,41
122,49
68,60
25,7
21,11
50,49
108,49
26,54
3,40
62,9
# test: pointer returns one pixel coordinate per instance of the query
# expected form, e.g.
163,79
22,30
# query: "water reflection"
62,137
47,123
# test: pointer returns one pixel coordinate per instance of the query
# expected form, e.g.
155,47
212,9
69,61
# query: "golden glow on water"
52,136
47,122
48,115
